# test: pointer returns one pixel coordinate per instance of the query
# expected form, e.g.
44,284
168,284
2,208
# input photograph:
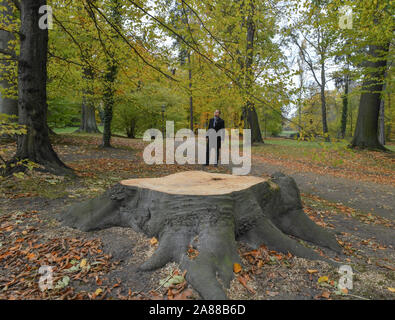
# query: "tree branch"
129,44
309,63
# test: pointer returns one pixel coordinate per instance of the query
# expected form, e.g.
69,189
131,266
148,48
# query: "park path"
362,195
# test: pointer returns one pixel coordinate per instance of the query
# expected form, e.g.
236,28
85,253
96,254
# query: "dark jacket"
219,124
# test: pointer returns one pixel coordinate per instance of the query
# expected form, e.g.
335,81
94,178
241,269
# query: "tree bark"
252,116
253,123
191,126
108,104
344,109
366,131
32,93
88,116
323,103
209,212
109,81
381,132
131,129
8,105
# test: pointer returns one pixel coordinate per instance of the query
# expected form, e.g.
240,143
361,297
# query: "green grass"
64,130
300,143
287,133
313,144
68,130
390,147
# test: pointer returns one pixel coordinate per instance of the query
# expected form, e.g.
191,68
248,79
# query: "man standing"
216,124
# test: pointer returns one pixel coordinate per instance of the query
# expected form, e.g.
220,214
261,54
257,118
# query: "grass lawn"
327,158
313,144
69,130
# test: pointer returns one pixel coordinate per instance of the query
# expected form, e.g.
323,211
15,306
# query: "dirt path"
364,196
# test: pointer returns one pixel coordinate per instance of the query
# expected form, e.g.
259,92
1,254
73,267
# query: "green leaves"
64,282
172,280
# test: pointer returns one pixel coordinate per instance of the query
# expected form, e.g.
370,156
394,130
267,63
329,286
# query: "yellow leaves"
153,241
391,289
237,268
323,279
8,126
98,291
83,263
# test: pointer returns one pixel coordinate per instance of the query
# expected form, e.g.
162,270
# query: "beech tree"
371,39
35,145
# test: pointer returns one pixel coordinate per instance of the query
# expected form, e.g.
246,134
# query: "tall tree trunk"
301,79
131,129
252,116
381,129
32,92
108,104
109,78
8,105
366,131
190,91
381,133
88,117
389,126
345,109
351,121
323,103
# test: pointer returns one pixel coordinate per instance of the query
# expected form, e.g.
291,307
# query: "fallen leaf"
174,280
98,291
83,263
237,267
323,279
243,281
391,289
31,256
311,271
326,294
153,241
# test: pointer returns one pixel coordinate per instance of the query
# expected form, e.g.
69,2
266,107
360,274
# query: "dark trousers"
208,150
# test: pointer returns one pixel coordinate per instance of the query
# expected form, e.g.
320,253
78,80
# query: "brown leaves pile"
255,260
24,250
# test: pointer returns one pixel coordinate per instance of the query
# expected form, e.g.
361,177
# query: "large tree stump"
210,212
